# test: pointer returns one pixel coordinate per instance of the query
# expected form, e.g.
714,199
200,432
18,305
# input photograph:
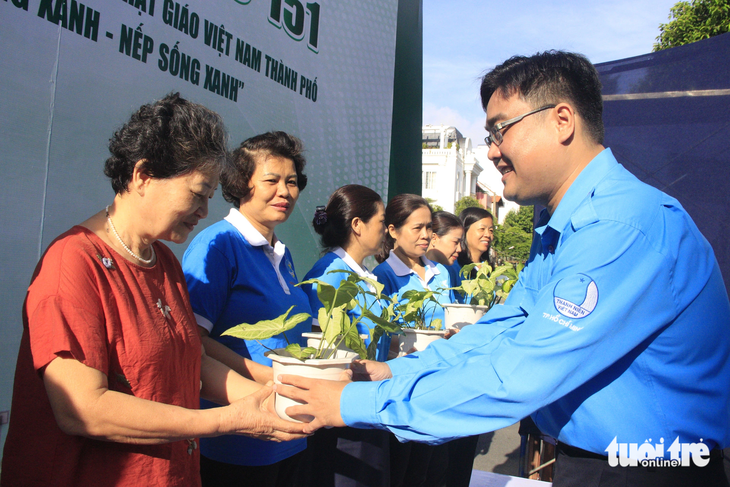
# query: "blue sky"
464,38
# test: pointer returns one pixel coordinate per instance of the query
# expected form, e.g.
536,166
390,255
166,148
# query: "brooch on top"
108,263
165,310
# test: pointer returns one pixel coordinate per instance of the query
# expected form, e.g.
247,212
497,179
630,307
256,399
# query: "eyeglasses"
495,134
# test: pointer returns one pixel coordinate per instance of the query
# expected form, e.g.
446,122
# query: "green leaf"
353,304
335,325
390,310
382,323
326,294
349,274
466,270
346,293
501,270
412,307
375,335
354,342
296,351
267,328
323,317
378,286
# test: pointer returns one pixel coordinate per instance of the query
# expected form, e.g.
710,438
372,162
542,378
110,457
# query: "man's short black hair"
547,78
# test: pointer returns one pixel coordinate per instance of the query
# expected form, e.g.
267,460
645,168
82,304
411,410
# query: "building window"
429,180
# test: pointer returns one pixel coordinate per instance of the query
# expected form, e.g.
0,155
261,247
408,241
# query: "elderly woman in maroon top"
111,367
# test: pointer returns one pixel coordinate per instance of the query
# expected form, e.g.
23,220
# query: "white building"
452,169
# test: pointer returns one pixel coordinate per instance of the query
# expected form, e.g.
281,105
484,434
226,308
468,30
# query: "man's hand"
321,400
254,416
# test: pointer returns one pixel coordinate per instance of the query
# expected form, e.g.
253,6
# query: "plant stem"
267,348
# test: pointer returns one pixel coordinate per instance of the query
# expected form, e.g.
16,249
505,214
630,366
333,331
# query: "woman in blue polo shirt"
445,245
404,266
478,235
237,271
352,229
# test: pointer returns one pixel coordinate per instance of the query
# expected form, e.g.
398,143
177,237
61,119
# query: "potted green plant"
414,308
340,343
487,288
338,328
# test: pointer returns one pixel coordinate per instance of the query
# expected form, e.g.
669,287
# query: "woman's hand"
254,416
370,370
83,405
450,332
321,399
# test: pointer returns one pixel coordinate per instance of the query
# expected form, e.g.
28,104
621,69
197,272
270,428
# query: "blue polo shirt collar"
401,270
569,210
361,271
275,254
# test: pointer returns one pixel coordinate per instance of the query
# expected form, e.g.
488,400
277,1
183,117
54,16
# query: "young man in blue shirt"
615,339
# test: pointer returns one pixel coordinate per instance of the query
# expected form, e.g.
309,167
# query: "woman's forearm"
83,405
245,367
221,384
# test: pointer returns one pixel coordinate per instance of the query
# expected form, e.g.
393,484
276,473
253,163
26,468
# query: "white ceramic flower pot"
418,339
459,315
329,369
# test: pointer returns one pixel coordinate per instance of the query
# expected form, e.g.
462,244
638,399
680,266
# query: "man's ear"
565,122
140,178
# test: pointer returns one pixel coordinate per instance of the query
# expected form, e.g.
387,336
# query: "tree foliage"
521,219
693,21
434,207
512,239
466,202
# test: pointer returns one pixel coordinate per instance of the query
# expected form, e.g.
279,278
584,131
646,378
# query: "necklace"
114,230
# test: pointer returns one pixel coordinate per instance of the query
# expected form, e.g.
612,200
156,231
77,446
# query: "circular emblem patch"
290,268
576,296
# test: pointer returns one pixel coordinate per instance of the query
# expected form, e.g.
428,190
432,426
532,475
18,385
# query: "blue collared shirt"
398,278
619,326
235,276
323,269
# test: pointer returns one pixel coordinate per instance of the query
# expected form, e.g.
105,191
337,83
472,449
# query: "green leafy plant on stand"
338,328
488,287
507,279
415,307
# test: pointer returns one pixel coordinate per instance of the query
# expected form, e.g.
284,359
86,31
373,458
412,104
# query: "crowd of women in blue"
238,271
124,387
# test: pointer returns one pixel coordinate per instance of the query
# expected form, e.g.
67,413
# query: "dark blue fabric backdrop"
667,118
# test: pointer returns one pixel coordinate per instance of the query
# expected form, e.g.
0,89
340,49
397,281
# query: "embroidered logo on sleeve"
576,296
